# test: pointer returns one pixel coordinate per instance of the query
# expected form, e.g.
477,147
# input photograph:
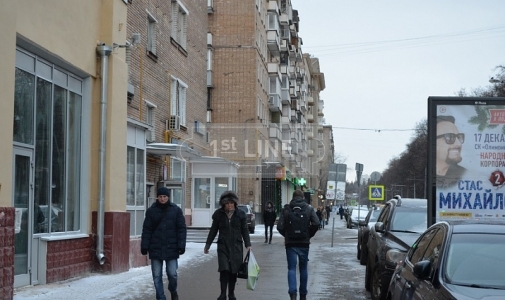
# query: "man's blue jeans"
171,269
300,255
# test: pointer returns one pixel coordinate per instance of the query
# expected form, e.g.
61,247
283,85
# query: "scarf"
229,213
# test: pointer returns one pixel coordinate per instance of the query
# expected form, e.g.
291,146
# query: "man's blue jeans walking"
171,270
300,255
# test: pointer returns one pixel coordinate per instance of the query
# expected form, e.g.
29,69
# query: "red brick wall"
7,217
68,258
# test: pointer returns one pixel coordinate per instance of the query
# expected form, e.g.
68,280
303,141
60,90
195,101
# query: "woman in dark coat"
231,224
269,217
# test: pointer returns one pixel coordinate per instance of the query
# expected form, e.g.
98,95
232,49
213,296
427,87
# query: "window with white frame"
135,178
177,169
150,117
151,33
179,23
178,100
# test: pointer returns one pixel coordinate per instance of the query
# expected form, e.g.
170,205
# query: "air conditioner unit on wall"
200,128
174,123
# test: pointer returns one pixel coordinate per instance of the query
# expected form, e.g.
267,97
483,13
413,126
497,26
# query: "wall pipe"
103,51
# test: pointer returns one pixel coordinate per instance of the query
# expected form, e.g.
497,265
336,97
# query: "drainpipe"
103,51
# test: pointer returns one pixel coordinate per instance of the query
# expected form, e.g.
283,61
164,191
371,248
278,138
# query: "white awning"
175,150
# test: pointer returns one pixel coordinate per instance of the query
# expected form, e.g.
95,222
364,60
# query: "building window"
179,23
151,33
54,134
177,169
150,117
135,178
178,100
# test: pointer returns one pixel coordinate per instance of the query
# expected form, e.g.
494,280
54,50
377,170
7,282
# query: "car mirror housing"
422,269
379,227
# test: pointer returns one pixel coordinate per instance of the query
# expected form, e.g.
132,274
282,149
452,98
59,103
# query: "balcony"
320,128
273,7
310,117
274,103
273,42
320,113
293,115
274,132
310,101
274,69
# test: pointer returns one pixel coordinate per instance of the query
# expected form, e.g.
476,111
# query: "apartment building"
200,99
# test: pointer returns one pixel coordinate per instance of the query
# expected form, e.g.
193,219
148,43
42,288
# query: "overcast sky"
383,59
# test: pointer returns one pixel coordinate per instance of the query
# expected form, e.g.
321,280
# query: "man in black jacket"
297,250
164,238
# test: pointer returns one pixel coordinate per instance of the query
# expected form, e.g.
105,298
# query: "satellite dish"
375,176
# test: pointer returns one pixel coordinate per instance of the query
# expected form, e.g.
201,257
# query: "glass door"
25,221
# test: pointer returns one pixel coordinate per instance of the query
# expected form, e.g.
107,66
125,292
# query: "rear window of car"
244,209
375,214
409,219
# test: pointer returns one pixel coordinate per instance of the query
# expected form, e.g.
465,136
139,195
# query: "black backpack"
297,223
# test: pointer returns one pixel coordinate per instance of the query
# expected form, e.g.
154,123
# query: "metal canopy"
175,150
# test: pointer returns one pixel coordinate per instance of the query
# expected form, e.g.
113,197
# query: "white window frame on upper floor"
178,94
179,23
151,33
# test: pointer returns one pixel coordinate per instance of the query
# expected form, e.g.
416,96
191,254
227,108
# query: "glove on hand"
181,251
143,251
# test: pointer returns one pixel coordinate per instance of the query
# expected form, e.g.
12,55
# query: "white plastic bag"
253,272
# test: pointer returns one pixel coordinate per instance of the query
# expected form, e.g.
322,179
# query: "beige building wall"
56,29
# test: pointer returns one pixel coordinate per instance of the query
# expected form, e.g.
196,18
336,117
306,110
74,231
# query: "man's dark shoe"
292,296
222,297
232,296
303,297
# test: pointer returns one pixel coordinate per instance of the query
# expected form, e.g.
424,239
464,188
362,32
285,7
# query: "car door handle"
397,276
407,285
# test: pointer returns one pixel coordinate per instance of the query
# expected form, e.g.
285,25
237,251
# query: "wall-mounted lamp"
134,40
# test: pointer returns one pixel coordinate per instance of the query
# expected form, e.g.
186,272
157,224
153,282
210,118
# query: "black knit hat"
228,196
163,191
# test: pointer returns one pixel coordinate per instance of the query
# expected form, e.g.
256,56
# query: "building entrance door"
24,205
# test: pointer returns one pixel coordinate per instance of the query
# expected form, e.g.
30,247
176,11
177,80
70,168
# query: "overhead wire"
386,45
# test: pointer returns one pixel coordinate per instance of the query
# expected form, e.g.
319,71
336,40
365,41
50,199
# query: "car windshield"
409,219
362,213
476,260
244,208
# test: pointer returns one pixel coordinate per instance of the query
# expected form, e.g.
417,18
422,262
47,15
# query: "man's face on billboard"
448,145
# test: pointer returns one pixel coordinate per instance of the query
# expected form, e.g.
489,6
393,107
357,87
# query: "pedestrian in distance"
298,223
328,213
231,224
319,214
324,215
269,217
341,212
164,238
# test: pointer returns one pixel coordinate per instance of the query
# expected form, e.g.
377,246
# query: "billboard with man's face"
466,158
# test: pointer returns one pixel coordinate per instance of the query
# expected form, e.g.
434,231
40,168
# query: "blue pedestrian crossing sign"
376,192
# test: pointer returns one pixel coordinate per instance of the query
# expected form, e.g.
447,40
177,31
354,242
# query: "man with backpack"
298,222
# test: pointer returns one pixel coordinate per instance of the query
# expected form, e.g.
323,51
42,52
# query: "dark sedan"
454,260
363,232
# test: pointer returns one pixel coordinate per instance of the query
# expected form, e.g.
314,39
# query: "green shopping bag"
253,271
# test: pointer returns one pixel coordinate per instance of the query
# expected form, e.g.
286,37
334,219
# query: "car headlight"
394,256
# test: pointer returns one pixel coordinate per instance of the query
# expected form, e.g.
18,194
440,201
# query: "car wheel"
377,286
358,252
367,276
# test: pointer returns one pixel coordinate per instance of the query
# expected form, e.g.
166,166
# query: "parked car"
251,218
454,260
363,232
358,214
399,224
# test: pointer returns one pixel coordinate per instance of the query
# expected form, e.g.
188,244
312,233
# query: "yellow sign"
376,192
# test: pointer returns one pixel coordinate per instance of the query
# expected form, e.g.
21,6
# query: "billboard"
466,158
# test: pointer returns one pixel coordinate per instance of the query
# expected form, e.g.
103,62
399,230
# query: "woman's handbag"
242,271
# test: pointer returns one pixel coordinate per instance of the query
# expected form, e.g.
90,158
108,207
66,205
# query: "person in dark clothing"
328,213
231,224
341,212
319,214
269,217
164,238
297,250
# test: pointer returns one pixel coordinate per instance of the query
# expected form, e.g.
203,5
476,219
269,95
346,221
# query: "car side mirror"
379,227
422,269
362,223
